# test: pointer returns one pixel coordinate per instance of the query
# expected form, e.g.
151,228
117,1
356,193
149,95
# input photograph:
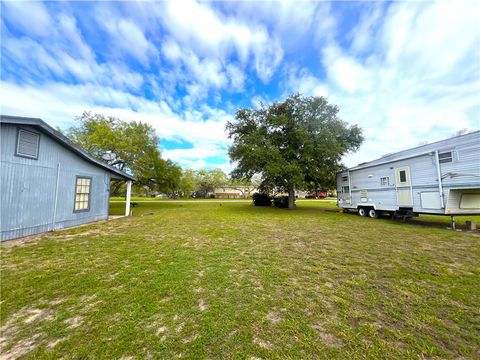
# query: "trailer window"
445,157
403,176
385,181
345,178
82,194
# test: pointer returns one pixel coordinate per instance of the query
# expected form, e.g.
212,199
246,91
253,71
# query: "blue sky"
406,72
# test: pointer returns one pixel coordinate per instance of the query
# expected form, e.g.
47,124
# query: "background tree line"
296,144
135,148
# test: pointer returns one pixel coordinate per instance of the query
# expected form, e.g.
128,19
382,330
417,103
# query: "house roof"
442,145
56,135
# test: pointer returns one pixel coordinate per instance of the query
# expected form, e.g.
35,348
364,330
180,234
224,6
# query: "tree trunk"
291,197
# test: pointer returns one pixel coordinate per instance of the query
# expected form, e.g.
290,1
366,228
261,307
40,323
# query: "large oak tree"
294,144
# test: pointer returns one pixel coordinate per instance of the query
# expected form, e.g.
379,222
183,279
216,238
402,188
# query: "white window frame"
407,181
83,190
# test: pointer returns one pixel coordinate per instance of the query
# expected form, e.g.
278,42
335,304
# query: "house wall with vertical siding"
28,187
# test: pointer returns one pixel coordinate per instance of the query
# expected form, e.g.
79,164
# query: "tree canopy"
294,144
208,180
135,145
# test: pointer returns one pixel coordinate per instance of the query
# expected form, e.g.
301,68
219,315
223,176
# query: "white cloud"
303,82
30,17
125,35
236,77
408,73
411,86
345,71
65,53
363,34
209,34
203,74
58,104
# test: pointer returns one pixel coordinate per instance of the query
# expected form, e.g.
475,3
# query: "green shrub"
280,201
261,199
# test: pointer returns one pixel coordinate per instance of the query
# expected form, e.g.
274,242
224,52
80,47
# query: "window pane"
82,193
403,176
445,157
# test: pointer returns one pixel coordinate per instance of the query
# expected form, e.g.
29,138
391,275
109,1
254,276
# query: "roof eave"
65,142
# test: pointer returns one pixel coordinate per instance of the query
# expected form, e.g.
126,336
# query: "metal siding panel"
423,173
28,187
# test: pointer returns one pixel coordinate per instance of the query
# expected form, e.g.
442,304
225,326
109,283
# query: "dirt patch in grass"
52,344
74,322
190,338
264,344
328,338
273,317
26,317
161,330
21,348
202,306
37,314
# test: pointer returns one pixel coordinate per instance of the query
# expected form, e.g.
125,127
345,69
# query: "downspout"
440,187
350,187
56,198
128,197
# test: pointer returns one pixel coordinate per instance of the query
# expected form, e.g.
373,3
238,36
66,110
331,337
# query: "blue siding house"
47,182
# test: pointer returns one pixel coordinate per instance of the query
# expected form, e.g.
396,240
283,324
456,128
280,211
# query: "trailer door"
403,186
346,195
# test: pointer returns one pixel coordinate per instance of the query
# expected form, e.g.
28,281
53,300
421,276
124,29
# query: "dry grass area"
209,280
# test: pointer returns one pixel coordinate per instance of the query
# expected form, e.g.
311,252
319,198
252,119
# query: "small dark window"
27,144
345,178
403,176
445,157
385,181
346,189
82,194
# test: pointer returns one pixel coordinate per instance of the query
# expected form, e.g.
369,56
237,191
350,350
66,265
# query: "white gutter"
439,176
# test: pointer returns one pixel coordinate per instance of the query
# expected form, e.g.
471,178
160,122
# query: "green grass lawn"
143,198
210,280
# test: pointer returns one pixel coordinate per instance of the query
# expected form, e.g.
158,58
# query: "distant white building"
235,192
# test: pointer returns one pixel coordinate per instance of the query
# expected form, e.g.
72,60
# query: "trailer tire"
362,211
373,213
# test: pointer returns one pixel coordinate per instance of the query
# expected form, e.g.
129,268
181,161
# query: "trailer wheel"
372,213
362,211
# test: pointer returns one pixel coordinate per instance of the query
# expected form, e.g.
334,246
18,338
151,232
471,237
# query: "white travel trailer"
440,178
